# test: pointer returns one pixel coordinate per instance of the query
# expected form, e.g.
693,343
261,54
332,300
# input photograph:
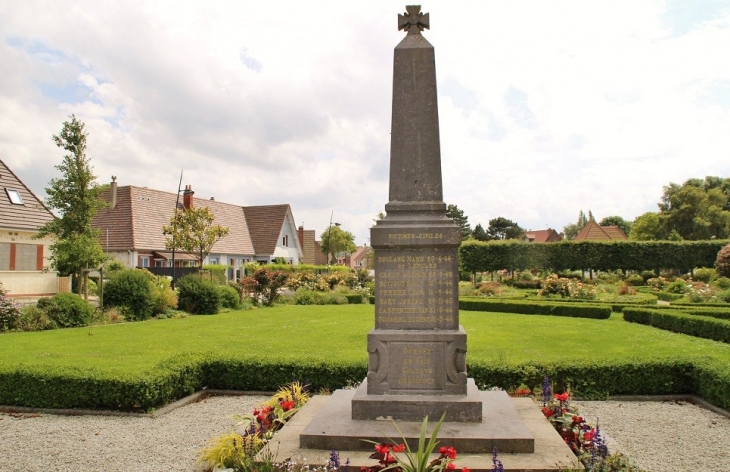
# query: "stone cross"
413,17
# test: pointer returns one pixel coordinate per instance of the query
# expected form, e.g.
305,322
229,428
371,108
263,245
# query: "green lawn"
339,332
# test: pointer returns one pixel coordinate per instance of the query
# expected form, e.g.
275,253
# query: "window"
14,196
285,240
144,261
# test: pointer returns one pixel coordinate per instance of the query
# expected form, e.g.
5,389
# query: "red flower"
382,448
450,466
589,435
562,396
287,405
547,412
465,469
449,452
399,447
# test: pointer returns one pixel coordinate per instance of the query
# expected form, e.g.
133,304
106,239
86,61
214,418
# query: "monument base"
458,408
332,427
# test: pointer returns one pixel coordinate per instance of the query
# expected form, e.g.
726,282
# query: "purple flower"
496,463
547,392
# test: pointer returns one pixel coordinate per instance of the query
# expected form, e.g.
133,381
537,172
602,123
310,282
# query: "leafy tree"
335,240
502,228
648,227
479,233
193,230
461,220
77,197
571,230
698,209
623,225
722,264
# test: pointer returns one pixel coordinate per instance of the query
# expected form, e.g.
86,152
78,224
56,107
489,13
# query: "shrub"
354,298
264,284
678,322
197,295
9,311
67,310
33,318
698,292
308,297
534,284
229,297
635,280
704,275
626,289
657,283
490,289
722,263
575,309
722,283
678,286
131,291
163,296
647,274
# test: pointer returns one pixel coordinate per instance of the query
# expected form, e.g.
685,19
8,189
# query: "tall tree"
648,227
77,198
697,209
571,230
616,220
194,230
461,220
334,240
502,228
479,233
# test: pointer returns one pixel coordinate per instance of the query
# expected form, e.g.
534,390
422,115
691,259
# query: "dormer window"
14,196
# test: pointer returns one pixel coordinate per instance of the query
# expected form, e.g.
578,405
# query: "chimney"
114,192
188,198
300,235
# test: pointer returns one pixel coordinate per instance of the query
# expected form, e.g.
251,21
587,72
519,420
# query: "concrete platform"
550,452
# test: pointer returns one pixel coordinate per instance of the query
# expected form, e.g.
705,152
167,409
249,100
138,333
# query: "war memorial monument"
417,349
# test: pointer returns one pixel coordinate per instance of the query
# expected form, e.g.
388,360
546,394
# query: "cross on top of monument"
413,21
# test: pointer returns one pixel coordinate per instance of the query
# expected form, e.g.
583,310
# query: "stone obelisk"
417,351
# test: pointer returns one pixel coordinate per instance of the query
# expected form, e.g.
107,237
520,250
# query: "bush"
354,298
575,309
33,318
678,286
626,289
657,283
647,274
229,297
635,280
67,310
490,289
534,284
163,296
131,291
722,283
198,295
9,311
264,284
678,322
704,275
722,263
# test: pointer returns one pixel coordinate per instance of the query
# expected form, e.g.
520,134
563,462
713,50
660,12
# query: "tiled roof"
137,220
542,236
31,215
265,223
593,232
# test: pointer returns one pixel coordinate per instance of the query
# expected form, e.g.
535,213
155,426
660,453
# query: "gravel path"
659,436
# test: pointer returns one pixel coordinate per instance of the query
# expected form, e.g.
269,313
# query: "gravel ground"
658,436
664,436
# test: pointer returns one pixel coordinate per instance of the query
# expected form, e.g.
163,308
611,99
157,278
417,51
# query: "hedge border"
574,310
182,375
679,322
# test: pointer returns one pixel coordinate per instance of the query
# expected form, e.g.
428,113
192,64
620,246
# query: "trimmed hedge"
679,322
575,310
354,298
183,374
720,312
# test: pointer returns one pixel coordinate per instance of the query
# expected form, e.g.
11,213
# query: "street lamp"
329,240
174,223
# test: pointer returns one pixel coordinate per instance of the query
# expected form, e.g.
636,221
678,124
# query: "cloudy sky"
546,107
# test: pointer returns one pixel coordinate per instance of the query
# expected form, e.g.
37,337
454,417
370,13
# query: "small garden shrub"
67,310
626,289
678,286
705,275
131,291
33,318
722,283
197,295
229,297
354,298
163,296
490,289
635,280
264,284
722,263
657,283
535,284
575,310
9,311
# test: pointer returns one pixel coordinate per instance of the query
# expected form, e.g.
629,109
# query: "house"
274,233
22,258
320,258
543,236
592,231
309,245
360,258
131,228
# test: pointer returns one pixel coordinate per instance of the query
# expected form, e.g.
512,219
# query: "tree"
648,227
571,230
461,220
502,228
698,209
193,230
334,240
77,197
623,225
479,233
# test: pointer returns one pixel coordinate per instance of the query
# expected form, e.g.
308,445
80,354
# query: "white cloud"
546,108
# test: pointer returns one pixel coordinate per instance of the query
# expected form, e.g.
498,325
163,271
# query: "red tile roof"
29,216
265,223
136,221
593,232
542,236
